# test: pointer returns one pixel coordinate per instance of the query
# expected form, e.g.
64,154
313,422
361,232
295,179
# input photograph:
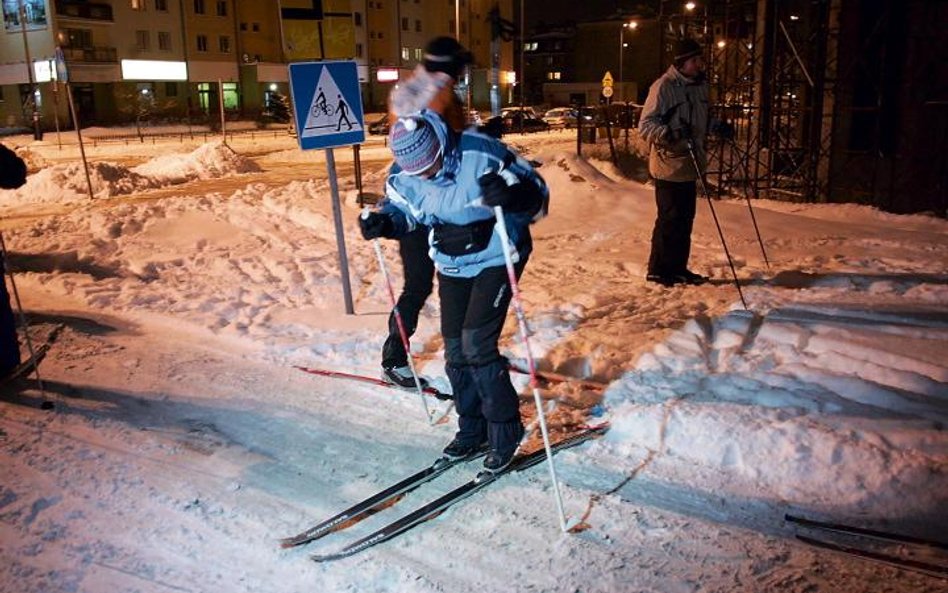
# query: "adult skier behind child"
451,183
430,86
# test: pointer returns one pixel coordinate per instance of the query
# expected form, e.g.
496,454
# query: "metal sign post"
82,148
327,106
62,75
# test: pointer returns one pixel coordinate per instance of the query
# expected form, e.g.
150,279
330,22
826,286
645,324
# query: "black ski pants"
418,274
473,311
671,236
9,346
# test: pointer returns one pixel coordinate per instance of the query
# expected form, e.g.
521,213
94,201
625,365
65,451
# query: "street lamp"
632,26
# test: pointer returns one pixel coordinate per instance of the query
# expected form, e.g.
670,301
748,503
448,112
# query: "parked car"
512,109
379,126
521,121
560,117
619,115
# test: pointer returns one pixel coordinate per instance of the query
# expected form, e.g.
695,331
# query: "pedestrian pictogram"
327,103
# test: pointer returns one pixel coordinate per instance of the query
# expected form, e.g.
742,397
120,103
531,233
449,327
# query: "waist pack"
462,239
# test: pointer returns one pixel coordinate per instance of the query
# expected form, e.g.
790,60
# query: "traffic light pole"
35,115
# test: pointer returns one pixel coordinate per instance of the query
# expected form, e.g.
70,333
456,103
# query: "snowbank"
68,183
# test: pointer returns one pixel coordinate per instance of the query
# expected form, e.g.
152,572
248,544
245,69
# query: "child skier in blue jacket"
451,182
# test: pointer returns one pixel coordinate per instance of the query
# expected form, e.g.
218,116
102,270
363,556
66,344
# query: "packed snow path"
183,444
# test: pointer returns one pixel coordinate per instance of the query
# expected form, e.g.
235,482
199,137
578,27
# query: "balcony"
84,10
90,54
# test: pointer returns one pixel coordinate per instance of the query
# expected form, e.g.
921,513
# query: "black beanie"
445,54
685,49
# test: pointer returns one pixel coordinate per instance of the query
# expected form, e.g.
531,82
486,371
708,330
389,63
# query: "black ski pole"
704,190
750,209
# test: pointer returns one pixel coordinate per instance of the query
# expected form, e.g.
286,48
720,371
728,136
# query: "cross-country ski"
442,503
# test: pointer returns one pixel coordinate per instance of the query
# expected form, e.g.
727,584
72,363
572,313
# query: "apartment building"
390,37
153,60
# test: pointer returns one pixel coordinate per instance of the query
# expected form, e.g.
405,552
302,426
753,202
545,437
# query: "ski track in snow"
185,445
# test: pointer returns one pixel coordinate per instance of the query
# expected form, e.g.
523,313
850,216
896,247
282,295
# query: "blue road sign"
327,104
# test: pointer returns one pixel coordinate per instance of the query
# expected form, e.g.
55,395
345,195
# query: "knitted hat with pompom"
415,145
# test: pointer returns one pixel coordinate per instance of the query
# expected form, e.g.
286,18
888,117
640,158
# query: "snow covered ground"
183,444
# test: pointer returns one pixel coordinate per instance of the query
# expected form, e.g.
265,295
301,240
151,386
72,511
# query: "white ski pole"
398,321
531,366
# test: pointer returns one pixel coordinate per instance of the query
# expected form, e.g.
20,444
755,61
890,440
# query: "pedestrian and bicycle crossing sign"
327,103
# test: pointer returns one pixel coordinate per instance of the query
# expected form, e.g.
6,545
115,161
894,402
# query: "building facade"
174,60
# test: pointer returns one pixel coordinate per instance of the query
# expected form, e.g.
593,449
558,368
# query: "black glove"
375,225
495,191
683,132
722,129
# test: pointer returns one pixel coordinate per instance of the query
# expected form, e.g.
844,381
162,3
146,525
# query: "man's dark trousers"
9,346
418,272
671,237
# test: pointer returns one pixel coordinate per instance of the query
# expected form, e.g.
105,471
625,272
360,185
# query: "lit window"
137,4
405,54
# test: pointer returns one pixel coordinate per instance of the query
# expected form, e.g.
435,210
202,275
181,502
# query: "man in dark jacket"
674,118
12,176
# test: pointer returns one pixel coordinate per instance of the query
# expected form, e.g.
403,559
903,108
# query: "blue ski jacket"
451,199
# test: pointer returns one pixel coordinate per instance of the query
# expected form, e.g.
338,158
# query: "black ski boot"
497,461
689,277
458,449
402,377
